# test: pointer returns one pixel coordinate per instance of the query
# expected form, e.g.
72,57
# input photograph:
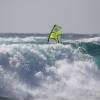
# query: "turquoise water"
32,69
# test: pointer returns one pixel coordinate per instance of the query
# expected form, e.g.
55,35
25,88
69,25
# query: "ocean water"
32,69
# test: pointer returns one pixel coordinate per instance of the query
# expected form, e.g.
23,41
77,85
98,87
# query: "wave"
43,39
32,71
90,46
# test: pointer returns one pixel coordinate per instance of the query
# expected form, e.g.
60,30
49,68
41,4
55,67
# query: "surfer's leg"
58,40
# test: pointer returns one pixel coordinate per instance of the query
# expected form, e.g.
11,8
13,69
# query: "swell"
90,48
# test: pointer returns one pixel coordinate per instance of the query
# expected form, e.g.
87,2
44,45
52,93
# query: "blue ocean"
33,69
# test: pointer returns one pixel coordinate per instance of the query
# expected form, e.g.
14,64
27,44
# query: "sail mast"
51,32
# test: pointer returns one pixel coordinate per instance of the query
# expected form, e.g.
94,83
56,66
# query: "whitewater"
32,69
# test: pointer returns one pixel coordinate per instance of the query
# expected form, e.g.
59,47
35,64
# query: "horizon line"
43,33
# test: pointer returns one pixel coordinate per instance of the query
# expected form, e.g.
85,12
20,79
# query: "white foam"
67,78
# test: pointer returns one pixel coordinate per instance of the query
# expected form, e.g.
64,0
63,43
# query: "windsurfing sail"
55,33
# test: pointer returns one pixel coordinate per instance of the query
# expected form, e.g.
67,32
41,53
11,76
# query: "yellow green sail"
55,33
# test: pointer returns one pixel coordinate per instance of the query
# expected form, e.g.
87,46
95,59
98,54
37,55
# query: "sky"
30,16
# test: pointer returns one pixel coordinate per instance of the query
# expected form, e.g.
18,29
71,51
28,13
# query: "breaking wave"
30,70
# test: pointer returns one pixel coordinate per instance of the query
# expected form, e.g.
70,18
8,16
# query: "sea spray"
33,71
